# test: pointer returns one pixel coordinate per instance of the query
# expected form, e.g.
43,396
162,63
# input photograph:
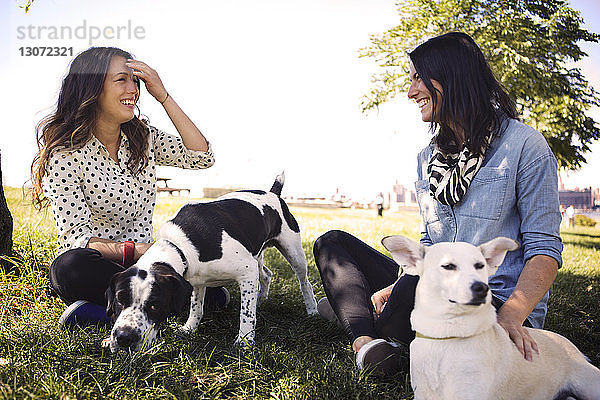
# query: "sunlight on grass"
296,357
582,249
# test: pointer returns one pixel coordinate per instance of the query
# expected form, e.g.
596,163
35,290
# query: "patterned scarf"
451,174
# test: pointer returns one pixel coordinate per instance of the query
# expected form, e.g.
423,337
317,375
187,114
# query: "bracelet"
128,253
163,102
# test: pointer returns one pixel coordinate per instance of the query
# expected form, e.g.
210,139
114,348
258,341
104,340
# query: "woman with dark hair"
485,174
96,165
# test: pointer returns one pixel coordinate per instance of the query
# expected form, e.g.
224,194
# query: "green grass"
296,357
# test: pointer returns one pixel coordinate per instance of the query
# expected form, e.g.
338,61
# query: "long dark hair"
71,124
472,100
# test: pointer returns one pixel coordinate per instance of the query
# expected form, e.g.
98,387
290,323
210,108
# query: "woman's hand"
535,280
518,334
380,298
190,134
150,78
114,250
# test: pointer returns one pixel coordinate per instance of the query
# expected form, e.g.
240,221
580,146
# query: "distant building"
402,197
583,199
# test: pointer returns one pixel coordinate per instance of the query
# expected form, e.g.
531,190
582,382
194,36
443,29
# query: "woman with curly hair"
96,165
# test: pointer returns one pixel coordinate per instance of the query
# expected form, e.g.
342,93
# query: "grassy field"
296,357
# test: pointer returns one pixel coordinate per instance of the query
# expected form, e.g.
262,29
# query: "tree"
531,46
27,6
6,223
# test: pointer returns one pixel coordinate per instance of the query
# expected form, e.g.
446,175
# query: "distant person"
96,165
484,174
564,222
570,213
379,204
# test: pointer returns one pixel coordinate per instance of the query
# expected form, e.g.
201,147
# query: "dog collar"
419,335
180,252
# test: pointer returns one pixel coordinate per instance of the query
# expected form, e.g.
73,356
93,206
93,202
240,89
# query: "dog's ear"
495,250
179,288
405,252
182,293
109,294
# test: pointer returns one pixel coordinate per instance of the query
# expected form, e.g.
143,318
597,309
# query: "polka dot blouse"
94,196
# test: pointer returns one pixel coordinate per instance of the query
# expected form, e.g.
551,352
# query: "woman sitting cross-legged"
97,166
485,174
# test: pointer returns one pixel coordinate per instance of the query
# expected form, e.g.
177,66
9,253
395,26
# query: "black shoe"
216,298
380,357
325,311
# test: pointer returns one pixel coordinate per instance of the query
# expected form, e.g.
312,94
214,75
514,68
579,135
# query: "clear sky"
272,84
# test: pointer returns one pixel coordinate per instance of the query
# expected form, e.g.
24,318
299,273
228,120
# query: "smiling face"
421,95
119,93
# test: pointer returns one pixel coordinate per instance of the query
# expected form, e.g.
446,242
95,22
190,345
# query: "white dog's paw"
311,308
105,344
185,329
243,343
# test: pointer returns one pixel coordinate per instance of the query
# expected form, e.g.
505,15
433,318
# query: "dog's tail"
278,184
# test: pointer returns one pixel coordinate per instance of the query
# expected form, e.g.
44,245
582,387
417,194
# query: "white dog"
460,351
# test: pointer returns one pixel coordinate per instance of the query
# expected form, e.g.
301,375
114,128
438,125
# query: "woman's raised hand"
150,78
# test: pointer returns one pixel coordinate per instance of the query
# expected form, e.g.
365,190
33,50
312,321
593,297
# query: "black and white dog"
207,245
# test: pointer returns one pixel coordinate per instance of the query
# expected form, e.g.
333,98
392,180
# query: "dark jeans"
351,272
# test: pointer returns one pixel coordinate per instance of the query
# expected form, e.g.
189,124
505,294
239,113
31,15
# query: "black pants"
82,274
351,272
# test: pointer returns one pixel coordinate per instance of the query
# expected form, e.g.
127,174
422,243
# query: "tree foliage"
27,6
531,45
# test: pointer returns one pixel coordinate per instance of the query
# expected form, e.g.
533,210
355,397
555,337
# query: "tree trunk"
6,225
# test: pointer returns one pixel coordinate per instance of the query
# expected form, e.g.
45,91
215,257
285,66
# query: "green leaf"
528,44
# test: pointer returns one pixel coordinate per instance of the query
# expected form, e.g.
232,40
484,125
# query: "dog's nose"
479,289
126,337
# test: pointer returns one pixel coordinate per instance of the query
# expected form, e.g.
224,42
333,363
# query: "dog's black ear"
180,289
405,252
109,294
182,293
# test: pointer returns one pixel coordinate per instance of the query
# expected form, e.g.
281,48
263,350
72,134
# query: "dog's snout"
126,337
479,289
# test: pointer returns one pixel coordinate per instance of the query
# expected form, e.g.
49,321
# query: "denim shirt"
514,194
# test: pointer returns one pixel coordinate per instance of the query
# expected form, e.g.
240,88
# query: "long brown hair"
71,124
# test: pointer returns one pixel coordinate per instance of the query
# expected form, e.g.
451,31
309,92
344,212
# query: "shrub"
584,221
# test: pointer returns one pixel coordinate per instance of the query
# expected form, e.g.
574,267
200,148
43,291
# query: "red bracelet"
128,250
